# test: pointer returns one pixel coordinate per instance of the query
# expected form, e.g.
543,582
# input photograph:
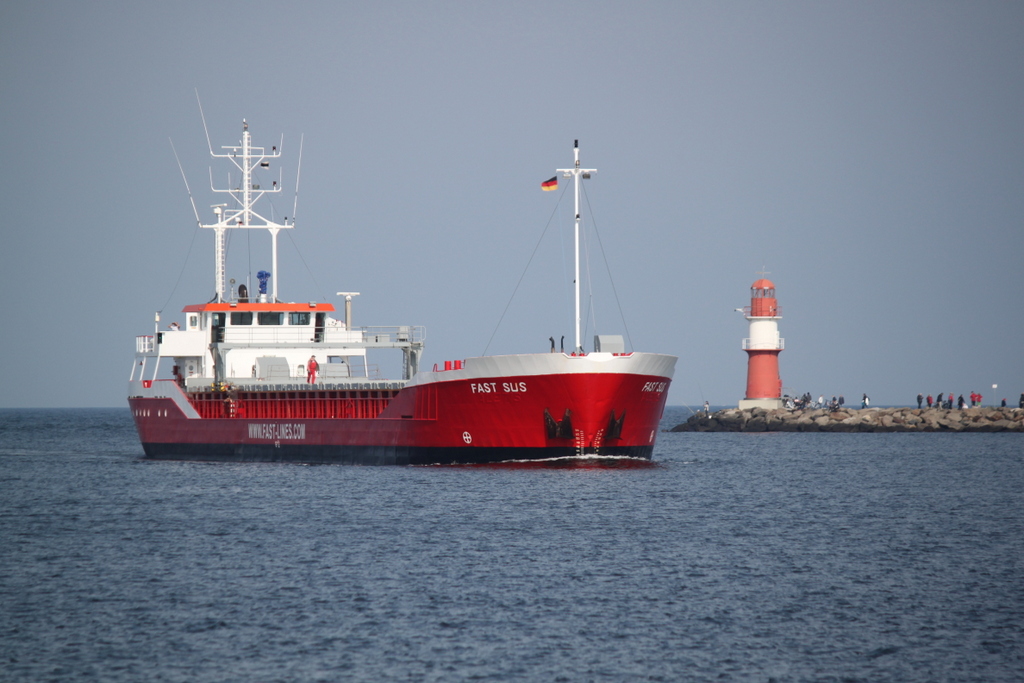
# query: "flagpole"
576,172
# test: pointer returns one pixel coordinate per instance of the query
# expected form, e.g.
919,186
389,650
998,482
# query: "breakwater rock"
853,420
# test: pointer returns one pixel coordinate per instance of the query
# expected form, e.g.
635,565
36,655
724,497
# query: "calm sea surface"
746,557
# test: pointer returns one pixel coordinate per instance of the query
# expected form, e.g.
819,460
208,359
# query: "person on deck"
311,368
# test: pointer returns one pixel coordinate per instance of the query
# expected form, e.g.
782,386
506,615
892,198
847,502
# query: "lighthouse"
764,387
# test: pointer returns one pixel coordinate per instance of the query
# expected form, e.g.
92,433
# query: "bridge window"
241,318
271,318
298,318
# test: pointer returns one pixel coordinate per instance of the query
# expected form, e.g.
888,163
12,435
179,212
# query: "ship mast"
246,158
575,172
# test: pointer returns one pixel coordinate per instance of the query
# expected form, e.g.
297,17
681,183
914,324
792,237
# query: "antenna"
194,210
205,129
298,173
199,224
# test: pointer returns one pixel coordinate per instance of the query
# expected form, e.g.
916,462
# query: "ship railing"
751,345
381,385
373,382
371,385
772,312
286,334
145,343
394,334
303,336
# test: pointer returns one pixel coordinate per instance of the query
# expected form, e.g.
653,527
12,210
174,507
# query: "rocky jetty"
852,420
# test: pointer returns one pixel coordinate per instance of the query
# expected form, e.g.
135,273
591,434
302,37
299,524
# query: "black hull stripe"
374,455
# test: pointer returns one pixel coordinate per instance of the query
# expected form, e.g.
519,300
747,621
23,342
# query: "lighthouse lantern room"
764,387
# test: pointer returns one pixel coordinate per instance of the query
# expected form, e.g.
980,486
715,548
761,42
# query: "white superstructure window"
271,318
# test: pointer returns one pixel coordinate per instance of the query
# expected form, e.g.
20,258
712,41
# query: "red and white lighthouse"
764,387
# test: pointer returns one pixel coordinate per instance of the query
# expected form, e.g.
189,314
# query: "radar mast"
246,158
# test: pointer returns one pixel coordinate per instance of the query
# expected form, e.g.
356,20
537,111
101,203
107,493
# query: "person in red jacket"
311,368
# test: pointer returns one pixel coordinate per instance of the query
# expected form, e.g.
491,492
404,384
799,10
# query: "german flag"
551,184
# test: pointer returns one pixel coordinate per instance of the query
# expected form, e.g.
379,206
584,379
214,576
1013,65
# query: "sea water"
747,557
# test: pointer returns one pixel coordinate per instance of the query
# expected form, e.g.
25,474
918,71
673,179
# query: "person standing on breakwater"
1003,404
921,398
1021,403
960,402
864,401
842,401
949,403
929,401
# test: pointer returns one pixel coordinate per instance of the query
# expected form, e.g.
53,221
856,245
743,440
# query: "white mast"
246,158
575,173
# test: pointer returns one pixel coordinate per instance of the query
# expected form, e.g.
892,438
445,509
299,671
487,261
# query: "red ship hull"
494,409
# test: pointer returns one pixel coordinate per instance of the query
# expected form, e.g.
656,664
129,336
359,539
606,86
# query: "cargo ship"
249,377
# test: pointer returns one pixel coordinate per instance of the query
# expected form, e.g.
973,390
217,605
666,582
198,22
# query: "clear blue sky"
869,155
